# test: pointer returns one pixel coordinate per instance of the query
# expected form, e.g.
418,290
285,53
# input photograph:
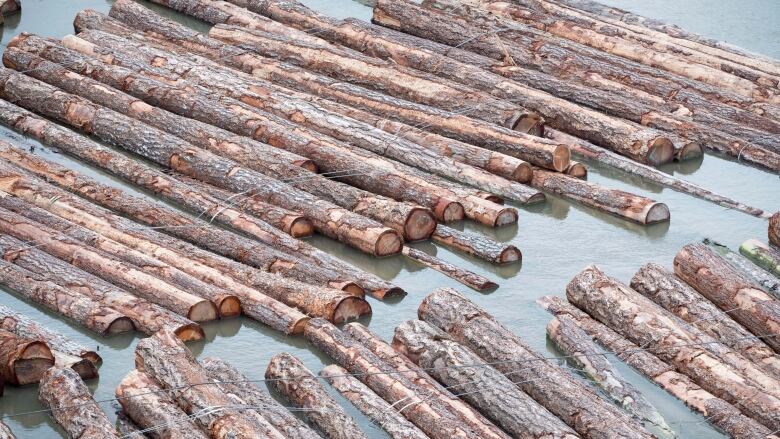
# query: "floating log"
8,7
577,170
688,350
485,388
370,404
22,360
763,255
5,432
615,202
468,278
234,382
731,291
774,229
72,407
717,411
476,245
166,359
768,282
550,386
151,408
293,380
674,295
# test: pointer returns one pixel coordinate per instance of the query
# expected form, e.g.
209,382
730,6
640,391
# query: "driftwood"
468,278
768,282
72,406
774,229
765,256
717,411
476,245
370,404
151,407
22,360
550,386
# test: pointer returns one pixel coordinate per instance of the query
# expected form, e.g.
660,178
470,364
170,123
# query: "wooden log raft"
370,404
763,255
22,360
293,380
550,386
731,291
688,350
234,382
150,407
166,359
774,229
485,388
72,406
468,278
476,245
717,411
665,289
768,282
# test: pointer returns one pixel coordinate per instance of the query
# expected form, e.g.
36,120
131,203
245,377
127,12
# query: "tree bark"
370,404
476,245
615,202
72,406
768,282
731,291
150,407
127,428
165,358
293,380
23,361
688,350
5,432
717,411
762,255
468,278
236,383
485,388
550,386
774,229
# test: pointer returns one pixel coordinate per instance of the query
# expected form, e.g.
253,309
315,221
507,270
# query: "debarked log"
466,277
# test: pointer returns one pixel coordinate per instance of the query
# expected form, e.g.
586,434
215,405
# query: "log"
127,428
731,291
146,316
5,432
485,388
85,368
765,256
577,170
468,278
22,360
151,408
665,289
166,359
8,7
236,383
715,410
293,380
774,229
580,349
550,386
688,350
72,406
370,404
476,245
769,283
615,202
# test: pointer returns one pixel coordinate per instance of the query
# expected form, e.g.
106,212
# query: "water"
558,239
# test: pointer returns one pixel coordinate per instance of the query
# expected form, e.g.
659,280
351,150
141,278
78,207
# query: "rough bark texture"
293,380
72,406
127,428
665,289
687,349
774,229
236,383
731,291
550,386
717,411
769,283
485,388
150,407
765,256
166,359
5,432
468,278
476,245
22,360
370,404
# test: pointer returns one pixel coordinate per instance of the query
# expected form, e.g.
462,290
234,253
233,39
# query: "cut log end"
86,369
492,198
507,216
203,311
300,228
530,124
30,371
690,150
92,356
307,165
510,254
298,327
229,306
191,332
536,198
448,211
523,173
120,325
661,151
577,170
389,243
350,308
349,287
561,158
388,293
419,225
656,213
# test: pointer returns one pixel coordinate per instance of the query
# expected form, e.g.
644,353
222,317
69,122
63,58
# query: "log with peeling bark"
5,432
146,316
166,359
468,278
615,202
774,229
293,380
485,388
23,360
768,282
550,386
765,256
234,382
476,245
150,407
731,291
370,404
709,364
717,411
72,406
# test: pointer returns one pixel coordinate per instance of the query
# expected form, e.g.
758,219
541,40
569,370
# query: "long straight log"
236,383
550,386
370,404
468,278
765,256
688,350
293,380
717,411
476,245
485,388
731,291
774,229
768,282
72,406
22,360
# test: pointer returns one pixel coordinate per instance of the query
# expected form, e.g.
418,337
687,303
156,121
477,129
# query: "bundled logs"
763,255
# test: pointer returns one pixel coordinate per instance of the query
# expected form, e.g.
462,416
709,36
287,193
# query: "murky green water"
557,239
